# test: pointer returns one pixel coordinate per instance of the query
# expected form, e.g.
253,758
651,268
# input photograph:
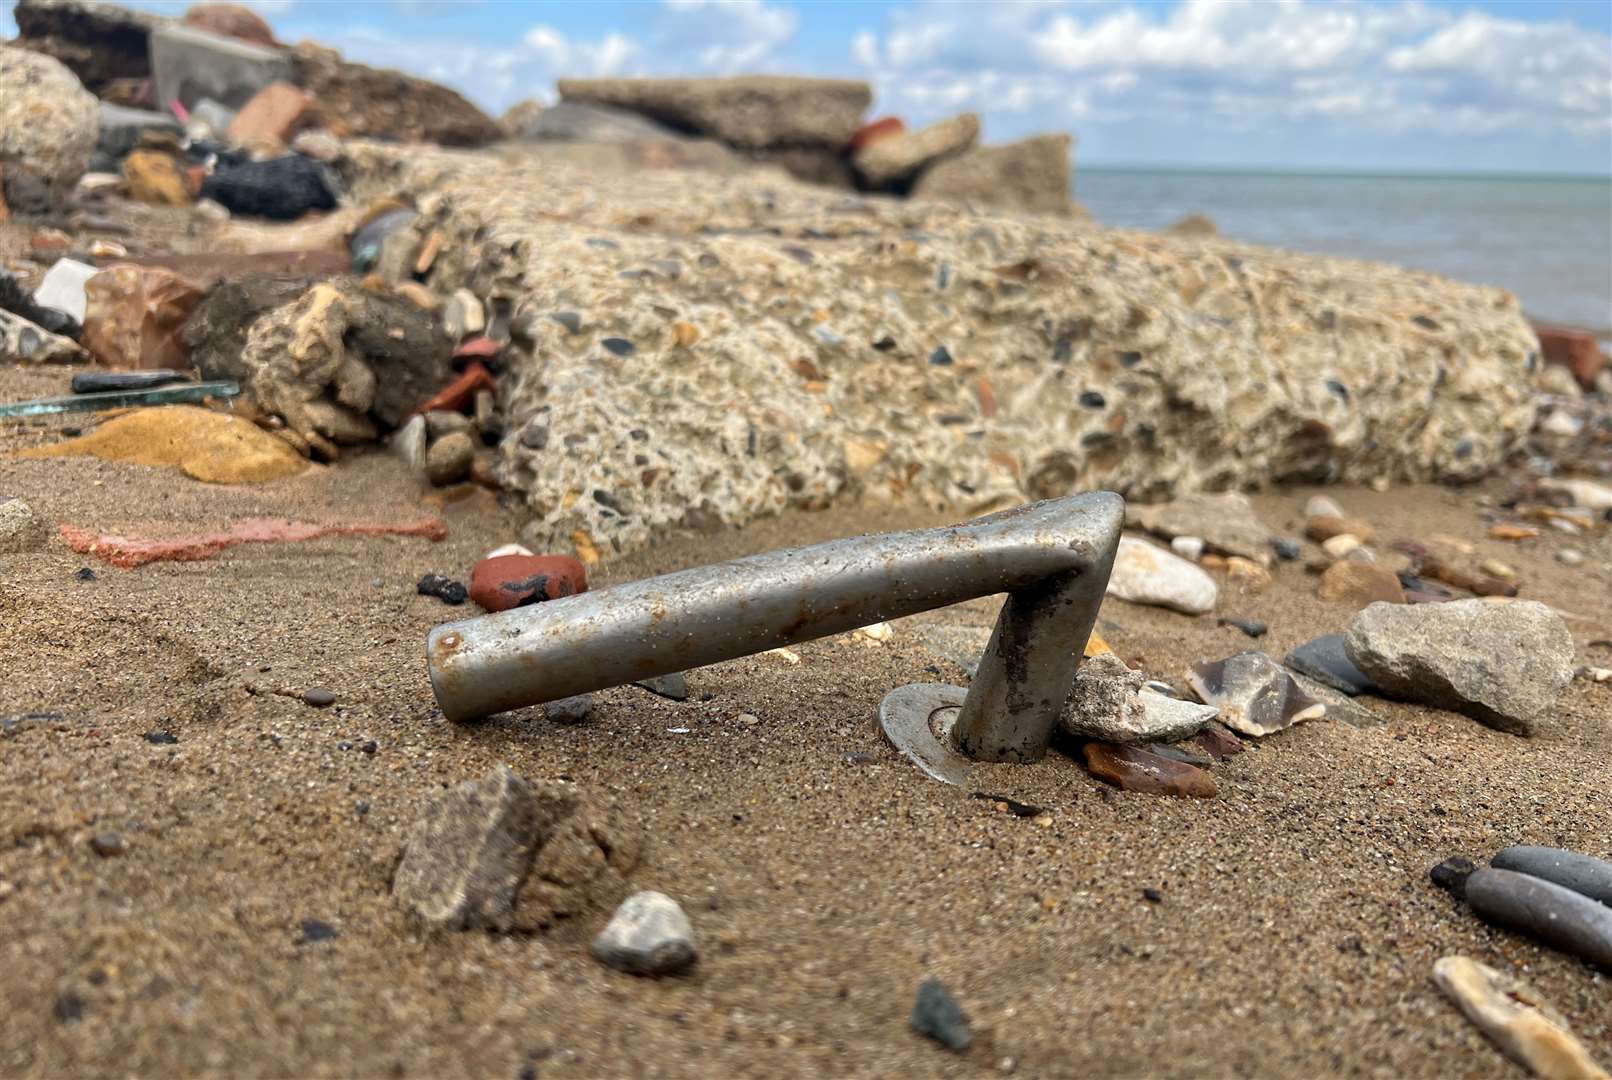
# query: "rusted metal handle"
1052,559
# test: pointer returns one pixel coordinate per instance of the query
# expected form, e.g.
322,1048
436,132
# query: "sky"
1514,86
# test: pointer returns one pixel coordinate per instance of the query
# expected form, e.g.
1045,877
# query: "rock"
409,443
1194,225
1451,874
318,697
280,189
20,528
189,64
571,710
121,130
57,304
385,104
152,176
1134,769
275,113
1360,583
230,20
48,126
883,128
26,342
24,194
445,589
439,423
1556,916
1249,576
1255,696
1146,574
1508,531
1340,707
1250,627
1322,529
107,844
215,334
213,447
648,935
463,315
1576,350
1322,506
1218,741
936,1015
900,157
336,356
1107,702
1586,493
674,687
1226,523
209,120
1189,548
1031,175
1438,570
448,459
575,121
754,112
1504,664
101,44
1517,1018
1325,660
319,145
1584,874
510,581
1570,557
135,316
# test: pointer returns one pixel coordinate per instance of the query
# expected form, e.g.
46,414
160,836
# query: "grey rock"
1324,660
673,686
318,697
1108,702
48,122
449,459
1340,707
20,528
754,111
1226,523
1517,1018
21,340
1504,664
899,157
1255,695
1176,753
1029,175
575,121
1557,916
188,65
439,422
120,128
571,710
936,1015
1147,574
1584,874
648,935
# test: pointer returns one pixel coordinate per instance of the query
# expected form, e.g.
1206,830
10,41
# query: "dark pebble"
316,930
1324,660
1287,550
618,346
344,745
84,574
360,807
1247,626
161,738
368,747
673,686
1584,874
107,844
1153,896
1091,399
1451,874
571,710
1545,911
568,319
940,357
445,589
885,343
318,697
936,1015
69,1008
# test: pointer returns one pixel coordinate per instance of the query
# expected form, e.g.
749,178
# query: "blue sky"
1353,84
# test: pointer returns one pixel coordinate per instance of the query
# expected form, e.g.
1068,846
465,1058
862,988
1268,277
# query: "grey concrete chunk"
1108,702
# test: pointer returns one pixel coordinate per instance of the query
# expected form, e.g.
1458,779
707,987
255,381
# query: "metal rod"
1052,558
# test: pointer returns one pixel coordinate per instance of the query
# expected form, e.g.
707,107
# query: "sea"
1548,239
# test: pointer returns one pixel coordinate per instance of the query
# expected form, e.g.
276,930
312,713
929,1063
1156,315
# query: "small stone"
510,581
1176,753
318,697
1153,896
1584,874
648,935
1340,707
1133,769
1525,1026
440,422
1218,741
319,145
1585,493
745,719
69,1008
449,459
463,315
1498,569
107,844
314,930
1226,523
1570,557
1107,702
508,549
1360,584
1287,550
20,529
1248,626
418,295
1451,874
569,320
617,346
1324,660
685,334
673,686
83,573
935,1014
1147,574
1504,664
1247,575
1322,529
1513,532
1320,506
161,738
410,442
445,589
1255,696
1341,547
1557,916
571,710
1189,548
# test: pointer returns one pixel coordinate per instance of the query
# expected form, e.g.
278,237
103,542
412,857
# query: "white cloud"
726,36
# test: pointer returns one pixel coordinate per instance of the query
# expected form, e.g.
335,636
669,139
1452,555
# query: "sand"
824,876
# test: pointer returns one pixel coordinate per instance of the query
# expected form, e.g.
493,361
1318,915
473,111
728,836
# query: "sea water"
1546,239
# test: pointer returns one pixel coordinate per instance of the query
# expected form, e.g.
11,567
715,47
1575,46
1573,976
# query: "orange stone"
275,112
1576,350
882,128
1361,583
1322,529
1513,532
1133,769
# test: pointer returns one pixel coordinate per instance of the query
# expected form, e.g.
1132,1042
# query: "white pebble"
1188,547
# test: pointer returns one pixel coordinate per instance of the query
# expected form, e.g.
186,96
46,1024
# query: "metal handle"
1052,558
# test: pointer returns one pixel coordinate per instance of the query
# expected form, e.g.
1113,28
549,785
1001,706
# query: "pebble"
1496,568
1557,916
1189,548
161,738
1339,547
1340,707
440,422
1360,584
1147,574
648,935
1255,695
317,930
1525,1026
107,844
1570,557
20,528
510,581
1176,753
1248,626
449,458
1322,529
1585,493
445,589
318,697
937,1015
409,442
1504,664
1584,874
1133,769
1322,506
673,686
1247,575
1218,741
1287,550
83,573
1451,874
463,315
1324,660
617,346
1107,702
1513,532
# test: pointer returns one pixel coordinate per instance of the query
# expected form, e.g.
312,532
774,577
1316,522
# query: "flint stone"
1357,582
1324,660
753,111
1525,1026
1584,874
215,334
1133,769
1226,524
899,157
1255,695
188,64
673,687
409,443
1108,702
1343,709
48,124
575,121
648,935
21,340
1557,916
1503,664
1146,574
1031,175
